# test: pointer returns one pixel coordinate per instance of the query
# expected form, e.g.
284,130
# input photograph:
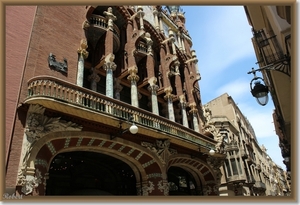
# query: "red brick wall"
61,36
19,20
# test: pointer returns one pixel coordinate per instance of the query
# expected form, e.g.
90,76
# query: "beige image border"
153,199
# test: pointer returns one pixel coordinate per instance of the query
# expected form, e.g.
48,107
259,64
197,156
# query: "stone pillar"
94,79
183,46
82,54
133,78
118,88
195,61
179,40
141,14
161,28
169,97
109,66
153,88
183,110
195,119
172,36
155,14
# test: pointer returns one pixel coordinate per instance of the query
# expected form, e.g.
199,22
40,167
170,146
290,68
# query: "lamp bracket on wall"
133,129
277,67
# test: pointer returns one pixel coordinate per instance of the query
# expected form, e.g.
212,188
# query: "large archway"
89,173
181,182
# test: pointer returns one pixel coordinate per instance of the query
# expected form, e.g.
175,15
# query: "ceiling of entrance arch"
68,160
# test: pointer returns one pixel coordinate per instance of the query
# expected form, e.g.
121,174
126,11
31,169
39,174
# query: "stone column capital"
82,50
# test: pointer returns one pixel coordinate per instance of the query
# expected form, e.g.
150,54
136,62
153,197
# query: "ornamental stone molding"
30,182
163,187
216,163
147,188
161,148
82,50
37,126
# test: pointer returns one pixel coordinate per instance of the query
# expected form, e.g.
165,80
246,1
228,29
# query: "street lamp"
259,90
212,152
133,129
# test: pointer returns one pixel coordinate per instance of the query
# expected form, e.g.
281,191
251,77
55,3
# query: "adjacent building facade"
272,44
248,170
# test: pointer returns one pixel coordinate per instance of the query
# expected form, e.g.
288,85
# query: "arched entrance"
89,173
181,182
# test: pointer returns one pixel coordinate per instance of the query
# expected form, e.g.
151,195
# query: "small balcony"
71,99
250,180
97,27
244,154
259,185
236,178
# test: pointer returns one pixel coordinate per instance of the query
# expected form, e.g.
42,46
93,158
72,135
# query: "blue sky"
221,37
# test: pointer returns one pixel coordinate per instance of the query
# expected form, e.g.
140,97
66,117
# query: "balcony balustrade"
52,89
250,180
244,153
98,26
100,21
259,185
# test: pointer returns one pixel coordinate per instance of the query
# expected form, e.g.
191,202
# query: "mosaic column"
94,79
118,88
133,78
195,119
183,110
169,97
82,54
153,88
109,66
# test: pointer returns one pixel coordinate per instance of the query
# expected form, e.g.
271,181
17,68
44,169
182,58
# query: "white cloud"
236,89
260,117
226,39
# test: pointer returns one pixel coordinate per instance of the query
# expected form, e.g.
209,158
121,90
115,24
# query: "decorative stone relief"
216,163
148,189
110,18
58,66
37,126
219,148
207,114
83,48
30,182
207,190
161,148
163,187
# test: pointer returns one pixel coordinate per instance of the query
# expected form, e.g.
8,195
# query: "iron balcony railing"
54,88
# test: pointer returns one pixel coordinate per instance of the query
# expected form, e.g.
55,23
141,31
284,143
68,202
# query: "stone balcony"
97,28
77,101
259,186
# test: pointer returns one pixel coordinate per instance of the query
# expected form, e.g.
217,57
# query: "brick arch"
204,172
145,165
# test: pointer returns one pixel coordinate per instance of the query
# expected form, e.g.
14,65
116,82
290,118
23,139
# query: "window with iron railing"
269,47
